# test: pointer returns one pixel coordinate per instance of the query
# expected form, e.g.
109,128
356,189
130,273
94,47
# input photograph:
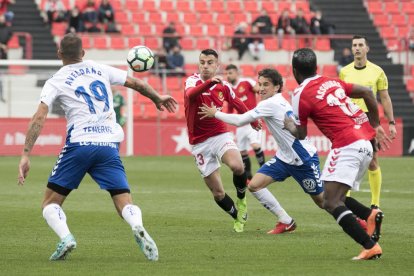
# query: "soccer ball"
140,58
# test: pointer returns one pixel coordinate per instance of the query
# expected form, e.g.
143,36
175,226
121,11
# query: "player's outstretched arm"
35,127
146,90
193,92
300,132
232,119
388,110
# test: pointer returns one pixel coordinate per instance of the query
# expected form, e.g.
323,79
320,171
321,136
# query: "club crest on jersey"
241,89
220,96
309,184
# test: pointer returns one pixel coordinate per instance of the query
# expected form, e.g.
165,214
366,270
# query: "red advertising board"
151,137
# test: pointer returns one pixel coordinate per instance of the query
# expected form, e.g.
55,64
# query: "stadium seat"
290,84
388,32
271,44
128,30
251,6
392,7
117,5
269,6
330,70
410,85
213,29
196,30
152,42
167,6
304,5
134,41
399,19
403,31
137,17
184,6
132,6
187,43
284,70
374,7
122,17
59,28
228,30
191,68
408,7
203,43
149,5
284,5
242,17
145,29
234,6
174,83
381,20
100,42
260,67
156,18
248,70
225,19
323,44
172,16
206,18
289,44
118,42
201,6
86,42
190,18
217,6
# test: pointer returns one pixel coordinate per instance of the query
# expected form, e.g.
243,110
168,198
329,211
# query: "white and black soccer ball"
140,58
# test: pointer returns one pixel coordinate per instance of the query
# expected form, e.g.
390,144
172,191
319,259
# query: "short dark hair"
71,46
304,62
273,75
231,66
361,37
209,52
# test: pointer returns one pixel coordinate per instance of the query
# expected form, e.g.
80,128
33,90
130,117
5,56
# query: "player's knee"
329,205
237,168
218,195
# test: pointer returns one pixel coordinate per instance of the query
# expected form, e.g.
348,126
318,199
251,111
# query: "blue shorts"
99,159
307,175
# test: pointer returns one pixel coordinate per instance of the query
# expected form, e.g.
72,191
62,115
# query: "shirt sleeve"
382,82
48,94
301,109
263,109
116,76
236,119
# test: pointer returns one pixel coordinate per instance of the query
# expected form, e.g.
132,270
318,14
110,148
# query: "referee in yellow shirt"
366,73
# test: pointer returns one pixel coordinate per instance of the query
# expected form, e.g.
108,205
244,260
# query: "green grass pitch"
193,235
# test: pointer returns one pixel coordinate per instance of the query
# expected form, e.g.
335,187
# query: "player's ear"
83,53
59,54
367,48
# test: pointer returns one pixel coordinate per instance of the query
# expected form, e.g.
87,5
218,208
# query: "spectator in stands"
411,39
175,62
9,15
284,26
90,16
105,12
255,43
160,61
5,36
264,23
300,24
170,38
320,26
345,59
119,103
55,11
240,43
75,21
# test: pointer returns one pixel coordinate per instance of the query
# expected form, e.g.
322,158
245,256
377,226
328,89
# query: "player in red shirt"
246,90
326,101
211,142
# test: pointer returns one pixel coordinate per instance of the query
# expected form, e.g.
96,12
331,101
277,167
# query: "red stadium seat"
323,44
166,5
174,83
392,7
304,5
86,42
408,7
13,42
241,17
399,19
203,43
228,30
251,6
225,19
145,29
190,18
248,70
149,5
388,32
330,70
100,42
290,84
234,6
184,6
118,43
132,6
381,20
137,17
152,42
196,30
260,67
59,28
374,7
172,16
217,6
201,6
206,18
134,41
289,44
410,85
117,5
122,17
271,44
191,68
269,6
403,31
284,70
155,18
213,29
128,30
285,5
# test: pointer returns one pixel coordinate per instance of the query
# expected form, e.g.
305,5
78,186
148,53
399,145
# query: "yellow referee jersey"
371,76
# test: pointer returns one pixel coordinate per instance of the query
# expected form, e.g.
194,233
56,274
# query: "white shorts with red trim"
348,164
208,154
246,135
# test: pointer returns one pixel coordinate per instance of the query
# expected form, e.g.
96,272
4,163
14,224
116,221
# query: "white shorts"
348,164
246,135
207,154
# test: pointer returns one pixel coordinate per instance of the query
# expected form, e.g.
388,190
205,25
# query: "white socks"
132,215
56,219
267,199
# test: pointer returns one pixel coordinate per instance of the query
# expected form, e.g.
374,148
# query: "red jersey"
197,92
326,102
244,91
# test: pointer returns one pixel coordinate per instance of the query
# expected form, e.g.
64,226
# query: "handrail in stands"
28,45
